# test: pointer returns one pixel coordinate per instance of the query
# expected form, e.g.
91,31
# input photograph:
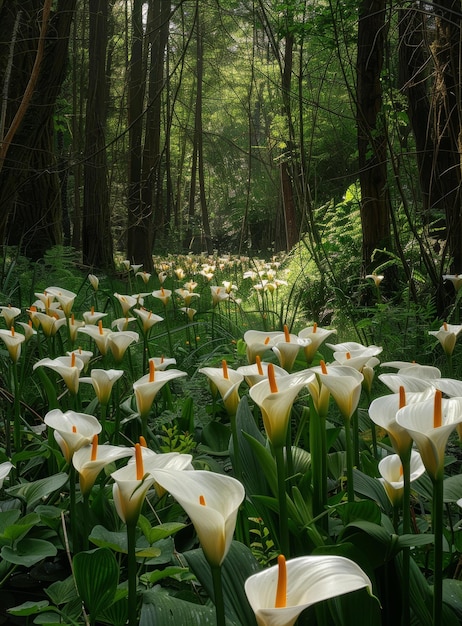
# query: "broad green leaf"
62,591
165,610
363,510
15,531
96,576
371,488
238,565
7,518
28,608
117,613
28,552
452,594
159,574
33,493
266,462
107,539
452,487
156,533
215,438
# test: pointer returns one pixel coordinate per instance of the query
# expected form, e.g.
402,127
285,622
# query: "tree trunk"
372,143
97,246
139,235
30,206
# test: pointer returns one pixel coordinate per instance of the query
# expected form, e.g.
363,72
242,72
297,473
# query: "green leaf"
363,510
156,533
28,552
62,591
160,608
104,538
117,613
159,574
33,493
238,565
215,438
28,608
266,462
371,488
15,531
452,488
7,519
96,576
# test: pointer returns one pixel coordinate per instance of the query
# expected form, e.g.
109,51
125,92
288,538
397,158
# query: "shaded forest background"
150,126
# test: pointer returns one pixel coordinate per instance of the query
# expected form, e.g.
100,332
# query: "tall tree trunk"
372,143
30,206
152,192
139,216
97,246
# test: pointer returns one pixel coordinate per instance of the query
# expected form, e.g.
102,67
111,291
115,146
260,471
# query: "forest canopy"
149,126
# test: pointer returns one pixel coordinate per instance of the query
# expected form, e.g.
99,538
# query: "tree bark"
30,207
372,142
97,246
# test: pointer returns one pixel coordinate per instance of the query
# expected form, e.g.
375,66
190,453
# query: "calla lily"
161,363
64,297
28,328
447,336
218,294
9,313
275,398
346,346
227,381
455,279
257,372
73,326
126,302
408,382
103,381
392,478
257,343
383,411
167,460
131,483
357,358
121,323
286,347
68,367
92,317
118,343
83,355
189,312
211,502
430,423
406,368
72,430
99,335
50,324
317,336
186,295
148,318
279,594
147,387
94,281
145,276
377,278
344,384
5,469
12,341
163,295
90,460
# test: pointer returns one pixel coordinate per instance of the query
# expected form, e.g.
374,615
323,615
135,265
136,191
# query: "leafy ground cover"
195,446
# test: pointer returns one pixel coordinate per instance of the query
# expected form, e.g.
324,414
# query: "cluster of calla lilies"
418,415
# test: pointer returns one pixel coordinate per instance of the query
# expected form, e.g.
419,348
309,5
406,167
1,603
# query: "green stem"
103,409
132,574
355,434
218,594
317,461
17,406
72,510
282,499
235,441
437,521
406,463
349,462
